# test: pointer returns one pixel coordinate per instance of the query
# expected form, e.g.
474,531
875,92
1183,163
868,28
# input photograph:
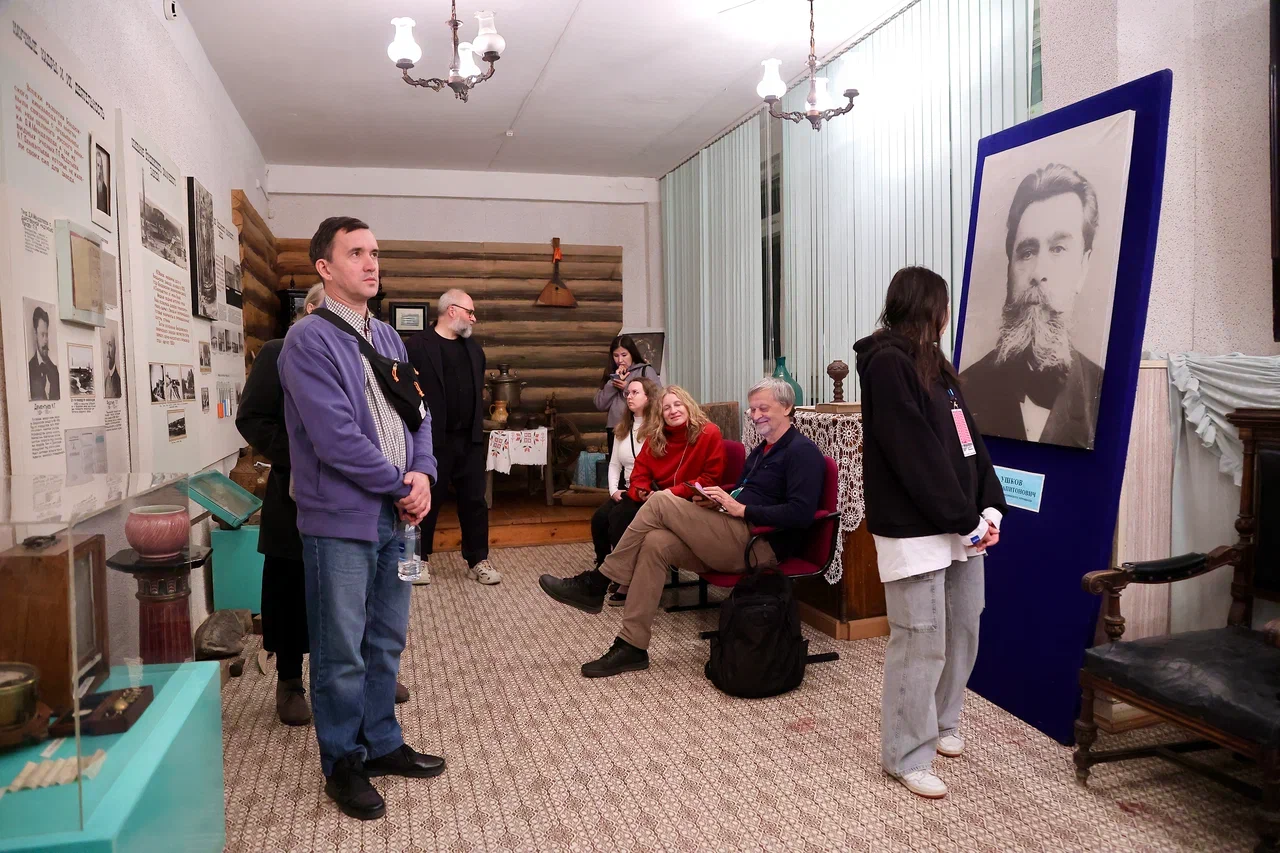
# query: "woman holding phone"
934,505
681,448
611,519
625,364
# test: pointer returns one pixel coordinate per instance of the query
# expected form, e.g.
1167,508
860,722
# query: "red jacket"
703,462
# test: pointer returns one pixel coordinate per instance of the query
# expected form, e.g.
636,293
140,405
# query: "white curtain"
1207,470
712,269
890,184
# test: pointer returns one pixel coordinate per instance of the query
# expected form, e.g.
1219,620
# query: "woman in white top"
611,519
934,506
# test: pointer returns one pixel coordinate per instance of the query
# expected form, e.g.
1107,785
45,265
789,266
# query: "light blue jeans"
933,642
358,613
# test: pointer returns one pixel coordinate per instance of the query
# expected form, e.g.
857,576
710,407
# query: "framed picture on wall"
408,317
100,185
650,342
80,252
204,273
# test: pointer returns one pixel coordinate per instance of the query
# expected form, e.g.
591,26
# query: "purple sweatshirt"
340,476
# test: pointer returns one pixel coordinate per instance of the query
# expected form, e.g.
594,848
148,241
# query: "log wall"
258,279
560,350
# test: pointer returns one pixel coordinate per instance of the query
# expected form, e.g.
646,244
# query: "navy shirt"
782,488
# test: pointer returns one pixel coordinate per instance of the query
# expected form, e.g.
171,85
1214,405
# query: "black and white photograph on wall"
177,424
239,394
163,233
100,183
206,357
1043,280
112,385
173,383
159,389
239,342
204,400
226,341
204,271
231,275
650,342
80,370
188,383
42,343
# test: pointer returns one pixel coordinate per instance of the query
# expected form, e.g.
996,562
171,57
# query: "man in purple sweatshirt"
357,470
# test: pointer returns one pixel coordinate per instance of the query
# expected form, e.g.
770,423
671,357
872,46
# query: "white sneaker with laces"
952,746
425,578
485,573
924,784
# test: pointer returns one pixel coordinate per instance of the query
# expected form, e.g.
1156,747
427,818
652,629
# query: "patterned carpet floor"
543,759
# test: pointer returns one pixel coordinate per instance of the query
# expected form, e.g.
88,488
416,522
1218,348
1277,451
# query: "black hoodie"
916,479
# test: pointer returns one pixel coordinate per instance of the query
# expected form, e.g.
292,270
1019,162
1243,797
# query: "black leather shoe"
405,762
349,787
621,657
585,591
402,693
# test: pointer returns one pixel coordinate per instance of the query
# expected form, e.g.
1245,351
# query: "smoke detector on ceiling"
170,9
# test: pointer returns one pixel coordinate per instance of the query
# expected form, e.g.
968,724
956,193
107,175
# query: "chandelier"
464,73
819,106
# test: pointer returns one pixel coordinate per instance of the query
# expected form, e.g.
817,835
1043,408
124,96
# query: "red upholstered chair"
815,559
735,456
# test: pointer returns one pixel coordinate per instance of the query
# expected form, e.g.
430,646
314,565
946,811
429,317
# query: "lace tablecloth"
840,437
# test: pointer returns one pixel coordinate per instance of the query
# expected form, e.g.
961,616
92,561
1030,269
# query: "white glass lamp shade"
772,85
403,50
467,66
488,44
822,97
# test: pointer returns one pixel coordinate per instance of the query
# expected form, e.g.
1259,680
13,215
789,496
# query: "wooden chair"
1222,684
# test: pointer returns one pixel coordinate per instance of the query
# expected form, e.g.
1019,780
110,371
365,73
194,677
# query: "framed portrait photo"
100,201
408,317
204,274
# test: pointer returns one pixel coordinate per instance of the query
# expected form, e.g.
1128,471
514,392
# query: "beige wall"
1211,292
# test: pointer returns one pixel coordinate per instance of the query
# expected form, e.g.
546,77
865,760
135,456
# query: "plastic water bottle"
410,567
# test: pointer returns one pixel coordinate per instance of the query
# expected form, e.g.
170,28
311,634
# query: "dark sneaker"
584,591
621,657
405,762
291,702
618,599
349,787
402,693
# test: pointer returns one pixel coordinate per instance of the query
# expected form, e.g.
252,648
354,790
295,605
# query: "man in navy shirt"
780,487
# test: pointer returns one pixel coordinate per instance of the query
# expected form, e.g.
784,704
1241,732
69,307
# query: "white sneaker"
924,784
951,746
485,573
426,574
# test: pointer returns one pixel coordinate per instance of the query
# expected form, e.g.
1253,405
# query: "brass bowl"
18,682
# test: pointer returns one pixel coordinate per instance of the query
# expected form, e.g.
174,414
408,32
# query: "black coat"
260,420
996,392
426,358
916,479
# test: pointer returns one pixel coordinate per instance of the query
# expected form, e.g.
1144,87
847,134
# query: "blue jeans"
358,613
933,643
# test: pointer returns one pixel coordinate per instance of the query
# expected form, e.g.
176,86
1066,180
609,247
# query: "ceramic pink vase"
156,532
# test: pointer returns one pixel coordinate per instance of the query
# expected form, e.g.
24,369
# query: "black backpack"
759,650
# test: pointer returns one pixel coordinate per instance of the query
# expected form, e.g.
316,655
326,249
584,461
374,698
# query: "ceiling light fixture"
819,106
464,73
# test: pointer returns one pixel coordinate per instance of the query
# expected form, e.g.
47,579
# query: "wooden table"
848,602
547,479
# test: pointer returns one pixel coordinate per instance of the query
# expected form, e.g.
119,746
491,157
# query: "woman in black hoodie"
934,505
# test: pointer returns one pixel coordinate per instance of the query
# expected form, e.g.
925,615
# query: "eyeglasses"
470,312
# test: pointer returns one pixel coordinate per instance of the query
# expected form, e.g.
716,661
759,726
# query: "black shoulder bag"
398,379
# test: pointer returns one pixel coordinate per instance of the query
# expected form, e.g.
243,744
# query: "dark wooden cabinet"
854,608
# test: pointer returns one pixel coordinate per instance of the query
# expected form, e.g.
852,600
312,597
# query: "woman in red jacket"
685,447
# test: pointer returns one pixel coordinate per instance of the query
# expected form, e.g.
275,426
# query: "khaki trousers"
671,531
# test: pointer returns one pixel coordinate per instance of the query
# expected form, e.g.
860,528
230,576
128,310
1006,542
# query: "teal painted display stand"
237,569
160,788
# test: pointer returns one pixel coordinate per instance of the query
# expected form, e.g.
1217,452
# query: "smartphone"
697,487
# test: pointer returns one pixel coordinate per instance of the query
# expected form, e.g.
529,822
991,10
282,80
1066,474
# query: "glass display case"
100,697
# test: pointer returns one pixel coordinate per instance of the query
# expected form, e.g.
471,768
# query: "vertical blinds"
890,184
712,271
